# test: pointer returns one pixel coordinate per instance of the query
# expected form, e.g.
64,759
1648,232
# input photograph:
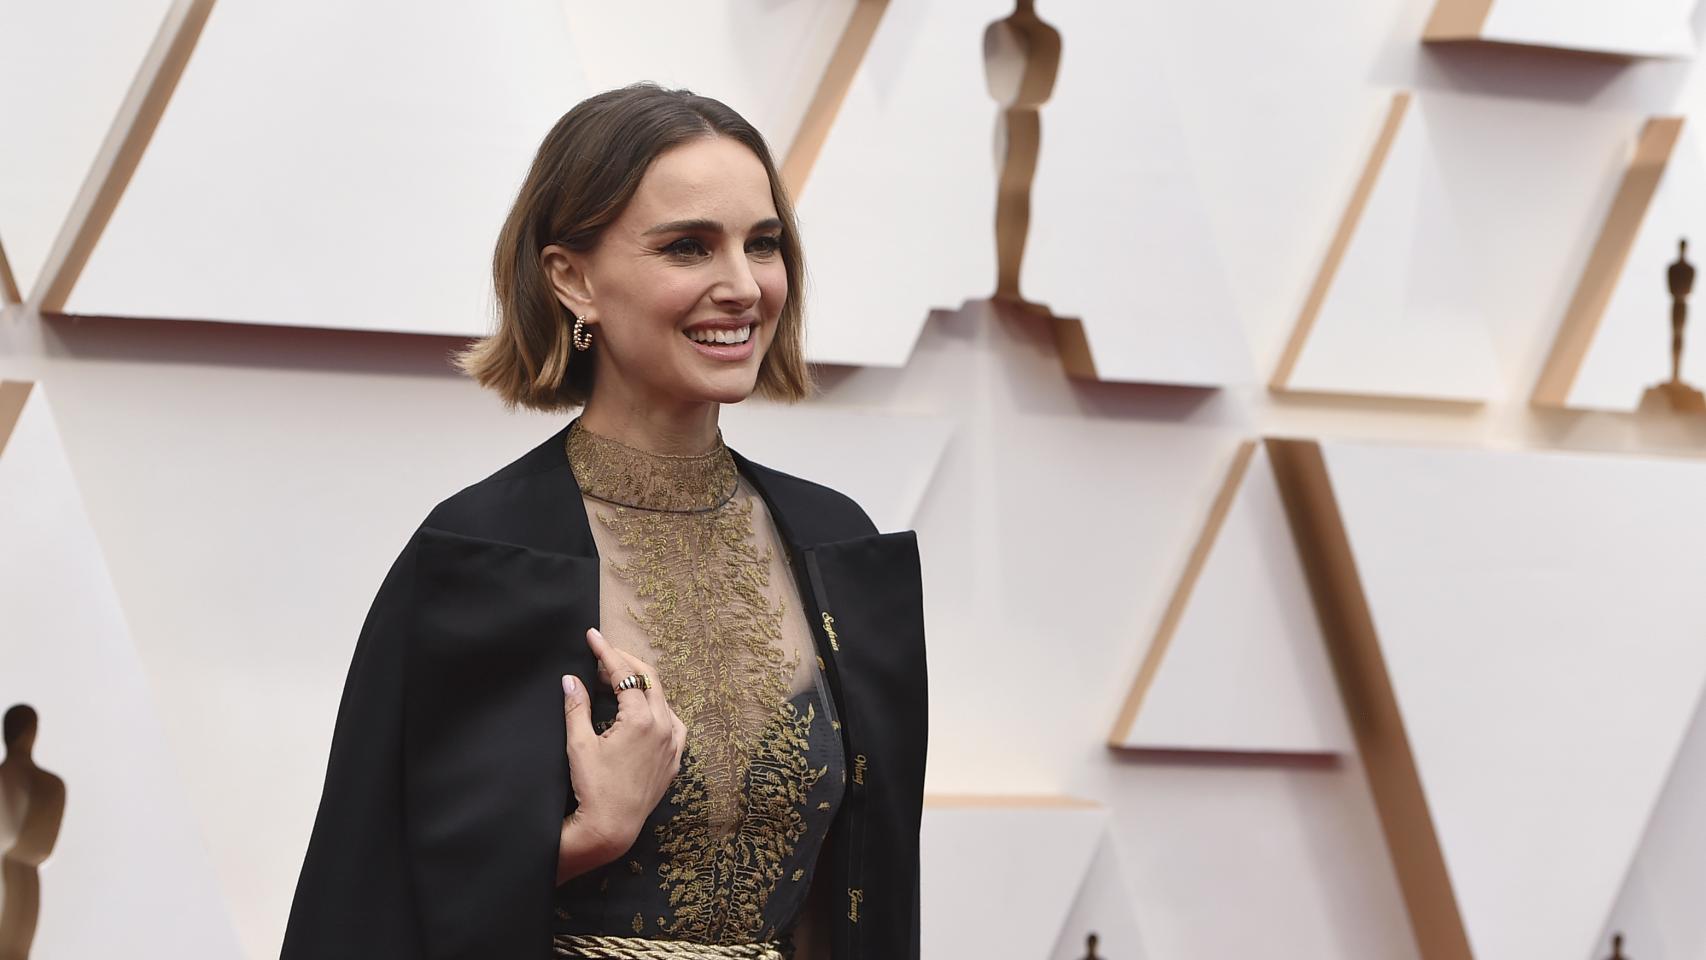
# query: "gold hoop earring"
581,336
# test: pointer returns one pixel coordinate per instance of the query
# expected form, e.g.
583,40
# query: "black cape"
447,784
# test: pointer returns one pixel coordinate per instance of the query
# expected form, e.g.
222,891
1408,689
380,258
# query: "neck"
675,429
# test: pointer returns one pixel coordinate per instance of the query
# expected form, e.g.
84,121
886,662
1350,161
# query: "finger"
613,664
630,703
577,716
656,698
625,664
680,741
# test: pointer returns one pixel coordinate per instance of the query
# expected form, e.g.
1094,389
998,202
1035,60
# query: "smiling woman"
633,695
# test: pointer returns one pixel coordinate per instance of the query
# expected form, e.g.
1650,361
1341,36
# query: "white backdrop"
249,485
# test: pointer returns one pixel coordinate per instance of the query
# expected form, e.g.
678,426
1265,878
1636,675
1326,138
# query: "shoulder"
814,512
526,502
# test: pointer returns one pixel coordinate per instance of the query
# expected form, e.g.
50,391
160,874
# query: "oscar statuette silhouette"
32,807
1675,394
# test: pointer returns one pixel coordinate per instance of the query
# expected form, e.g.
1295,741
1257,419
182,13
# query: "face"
684,290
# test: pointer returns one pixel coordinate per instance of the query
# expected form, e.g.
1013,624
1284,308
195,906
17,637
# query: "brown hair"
584,174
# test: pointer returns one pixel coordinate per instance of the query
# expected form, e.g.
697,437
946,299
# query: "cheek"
773,282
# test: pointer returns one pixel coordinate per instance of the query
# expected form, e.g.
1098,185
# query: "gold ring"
634,681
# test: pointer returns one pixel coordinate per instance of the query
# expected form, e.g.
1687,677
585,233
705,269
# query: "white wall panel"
1023,858
1246,670
764,58
898,212
1634,28
1119,237
1631,347
65,68
1540,625
336,164
129,870
1400,311
1657,907
1103,907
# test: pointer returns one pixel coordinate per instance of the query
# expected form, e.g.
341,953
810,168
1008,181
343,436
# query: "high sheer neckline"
609,470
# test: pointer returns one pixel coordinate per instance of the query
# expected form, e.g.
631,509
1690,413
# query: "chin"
731,393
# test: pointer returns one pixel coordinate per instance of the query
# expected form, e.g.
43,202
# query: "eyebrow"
706,226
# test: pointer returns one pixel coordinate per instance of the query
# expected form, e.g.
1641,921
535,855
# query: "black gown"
437,832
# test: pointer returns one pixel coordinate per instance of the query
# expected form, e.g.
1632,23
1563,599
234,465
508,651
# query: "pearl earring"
581,336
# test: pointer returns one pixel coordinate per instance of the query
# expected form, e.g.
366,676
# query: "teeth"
710,335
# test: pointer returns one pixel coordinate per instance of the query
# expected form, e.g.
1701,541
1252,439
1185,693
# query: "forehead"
715,178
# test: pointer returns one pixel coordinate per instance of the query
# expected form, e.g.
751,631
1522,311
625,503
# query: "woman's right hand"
618,776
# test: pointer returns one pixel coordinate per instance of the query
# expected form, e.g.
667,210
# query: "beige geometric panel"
708,48
1119,241
65,69
127,866
897,208
1105,908
1238,663
1392,311
1000,873
362,192
401,103
1520,636
1626,28
9,292
1615,344
1658,908
883,461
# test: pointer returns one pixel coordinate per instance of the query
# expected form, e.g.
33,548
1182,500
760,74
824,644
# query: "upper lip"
722,323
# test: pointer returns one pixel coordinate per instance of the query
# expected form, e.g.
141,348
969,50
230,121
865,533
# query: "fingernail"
570,684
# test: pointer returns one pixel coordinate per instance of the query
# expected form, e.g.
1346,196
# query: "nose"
737,286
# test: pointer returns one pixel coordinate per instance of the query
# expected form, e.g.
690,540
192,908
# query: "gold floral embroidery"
718,883
614,472
701,585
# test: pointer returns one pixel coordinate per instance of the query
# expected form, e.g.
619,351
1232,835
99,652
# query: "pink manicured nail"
570,684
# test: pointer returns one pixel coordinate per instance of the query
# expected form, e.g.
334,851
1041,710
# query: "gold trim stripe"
637,948
1324,547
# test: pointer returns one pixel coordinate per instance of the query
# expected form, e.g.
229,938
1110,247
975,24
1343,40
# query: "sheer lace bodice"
695,581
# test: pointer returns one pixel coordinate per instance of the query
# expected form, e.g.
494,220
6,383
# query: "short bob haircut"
586,171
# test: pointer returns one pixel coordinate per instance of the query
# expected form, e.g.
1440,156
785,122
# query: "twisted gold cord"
584,947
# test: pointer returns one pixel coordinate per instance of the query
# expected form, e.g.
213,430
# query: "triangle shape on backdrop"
1658,909
1239,663
1104,907
1392,310
920,82
707,49
1616,341
128,865
1629,28
999,873
1120,239
65,70
411,134
1529,648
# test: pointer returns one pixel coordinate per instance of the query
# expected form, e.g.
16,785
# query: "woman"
730,658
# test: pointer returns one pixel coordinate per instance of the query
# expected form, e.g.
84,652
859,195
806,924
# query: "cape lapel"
497,624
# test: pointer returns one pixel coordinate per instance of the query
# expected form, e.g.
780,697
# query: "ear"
566,272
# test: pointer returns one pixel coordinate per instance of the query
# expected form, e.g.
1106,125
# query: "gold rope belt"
635,948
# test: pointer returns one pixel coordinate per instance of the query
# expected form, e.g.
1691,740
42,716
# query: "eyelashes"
689,248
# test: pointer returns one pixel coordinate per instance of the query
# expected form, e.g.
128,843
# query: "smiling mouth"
719,335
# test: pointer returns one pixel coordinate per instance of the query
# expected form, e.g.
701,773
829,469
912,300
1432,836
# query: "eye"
686,248
765,246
